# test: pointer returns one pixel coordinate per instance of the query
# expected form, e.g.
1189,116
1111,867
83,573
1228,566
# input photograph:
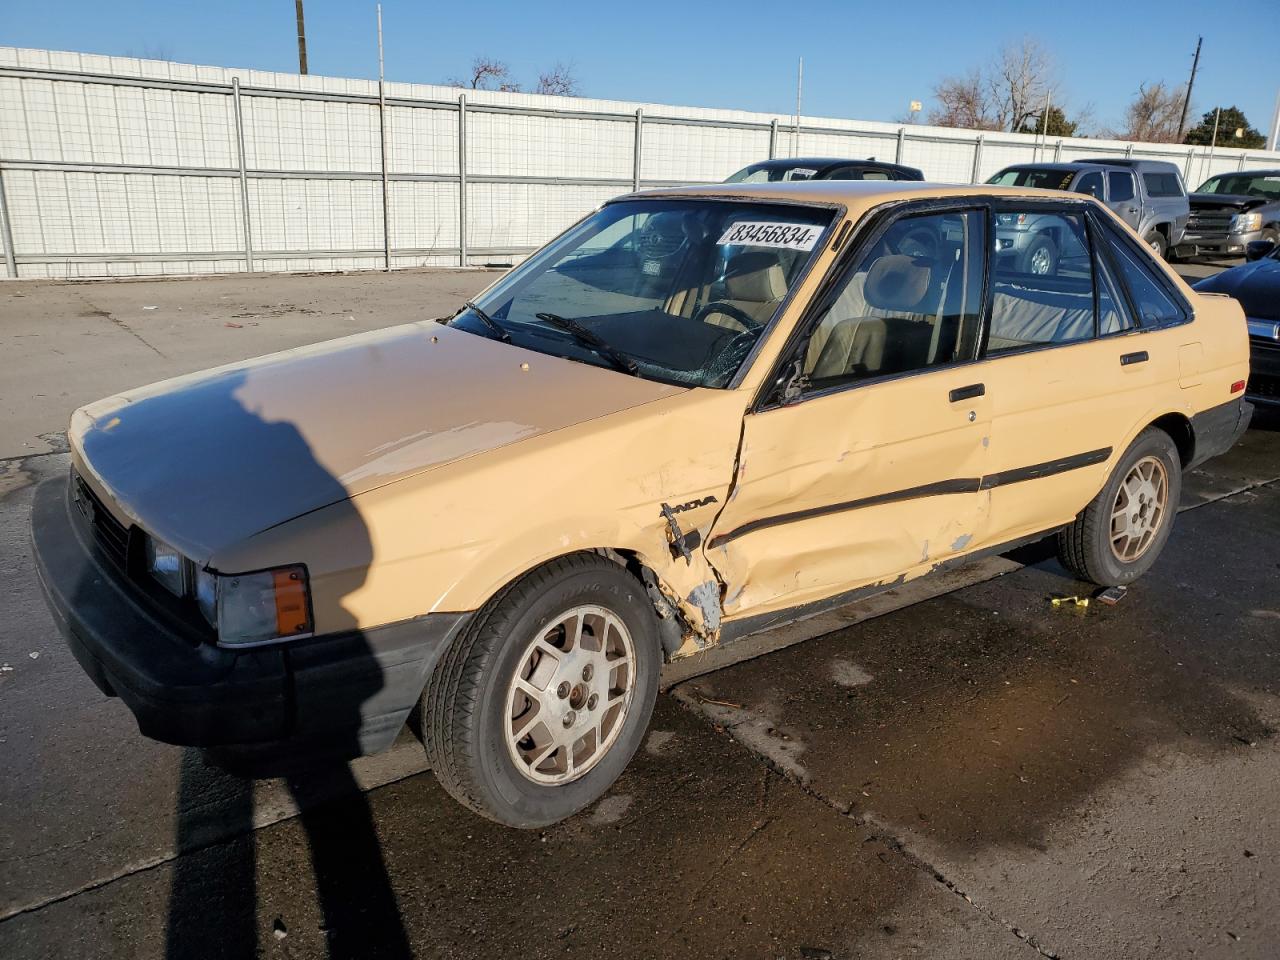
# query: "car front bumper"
1219,245
342,694
1264,371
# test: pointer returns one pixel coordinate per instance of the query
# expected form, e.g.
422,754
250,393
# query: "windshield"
1033,177
670,290
772,173
1265,185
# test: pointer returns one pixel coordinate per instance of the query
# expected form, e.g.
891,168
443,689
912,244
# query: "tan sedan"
696,414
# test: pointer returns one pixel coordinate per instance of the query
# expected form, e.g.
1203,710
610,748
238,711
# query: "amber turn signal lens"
292,615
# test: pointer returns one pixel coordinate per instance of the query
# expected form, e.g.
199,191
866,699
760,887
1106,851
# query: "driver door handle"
968,393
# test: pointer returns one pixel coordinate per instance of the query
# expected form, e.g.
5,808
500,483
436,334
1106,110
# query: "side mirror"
1257,249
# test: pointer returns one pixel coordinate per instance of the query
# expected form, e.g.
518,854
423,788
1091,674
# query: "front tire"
1119,535
536,709
1041,257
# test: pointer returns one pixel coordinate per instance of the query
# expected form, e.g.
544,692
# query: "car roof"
1246,173
1049,166
1125,162
775,162
857,195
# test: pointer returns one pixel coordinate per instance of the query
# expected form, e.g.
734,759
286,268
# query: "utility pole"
302,39
795,134
1186,100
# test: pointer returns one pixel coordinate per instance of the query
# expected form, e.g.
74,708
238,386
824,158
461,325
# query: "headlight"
1011,219
1246,222
168,566
259,607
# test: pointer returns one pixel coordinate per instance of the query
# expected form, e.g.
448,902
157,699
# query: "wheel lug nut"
562,691
592,701
569,718
587,671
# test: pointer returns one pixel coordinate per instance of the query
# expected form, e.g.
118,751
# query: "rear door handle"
1130,358
968,393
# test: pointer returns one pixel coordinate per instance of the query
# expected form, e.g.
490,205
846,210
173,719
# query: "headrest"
898,283
756,277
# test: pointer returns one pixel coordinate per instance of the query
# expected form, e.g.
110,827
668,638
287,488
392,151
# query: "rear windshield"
1162,184
672,290
1036,177
1265,185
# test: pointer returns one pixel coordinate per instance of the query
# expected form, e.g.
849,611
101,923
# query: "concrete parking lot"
976,775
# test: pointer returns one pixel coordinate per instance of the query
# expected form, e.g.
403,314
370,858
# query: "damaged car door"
863,466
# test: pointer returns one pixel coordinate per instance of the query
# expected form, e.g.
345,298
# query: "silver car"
1146,194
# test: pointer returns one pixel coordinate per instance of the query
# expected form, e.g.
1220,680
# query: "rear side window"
1042,281
1121,185
1162,184
1154,304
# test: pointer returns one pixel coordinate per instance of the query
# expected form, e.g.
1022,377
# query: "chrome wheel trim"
1040,261
568,701
1139,509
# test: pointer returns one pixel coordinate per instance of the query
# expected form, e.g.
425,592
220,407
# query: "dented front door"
852,488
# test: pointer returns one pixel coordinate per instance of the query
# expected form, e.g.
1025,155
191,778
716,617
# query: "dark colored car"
1231,210
786,169
1256,284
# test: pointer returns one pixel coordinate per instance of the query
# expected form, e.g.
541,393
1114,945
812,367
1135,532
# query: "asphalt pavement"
980,774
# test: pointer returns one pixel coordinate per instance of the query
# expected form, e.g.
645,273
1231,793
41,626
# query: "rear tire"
564,659
1119,535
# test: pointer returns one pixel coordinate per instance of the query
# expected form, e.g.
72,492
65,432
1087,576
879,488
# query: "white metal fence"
112,166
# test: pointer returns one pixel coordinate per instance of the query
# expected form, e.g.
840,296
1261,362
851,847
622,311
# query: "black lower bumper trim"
1217,429
348,692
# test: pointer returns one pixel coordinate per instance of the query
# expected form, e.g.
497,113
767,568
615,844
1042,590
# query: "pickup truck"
1230,211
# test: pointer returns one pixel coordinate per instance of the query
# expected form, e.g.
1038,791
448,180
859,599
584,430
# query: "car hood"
208,460
1224,201
1256,285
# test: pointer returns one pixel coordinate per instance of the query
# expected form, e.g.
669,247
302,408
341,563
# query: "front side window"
1121,185
671,290
1091,184
1162,184
910,303
1041,279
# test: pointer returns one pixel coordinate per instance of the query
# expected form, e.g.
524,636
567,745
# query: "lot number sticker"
765,233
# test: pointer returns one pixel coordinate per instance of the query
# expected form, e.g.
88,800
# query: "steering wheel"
749,322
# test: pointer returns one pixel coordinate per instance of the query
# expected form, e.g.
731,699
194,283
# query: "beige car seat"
754,283
897,289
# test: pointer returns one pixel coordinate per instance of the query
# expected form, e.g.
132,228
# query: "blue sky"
864,60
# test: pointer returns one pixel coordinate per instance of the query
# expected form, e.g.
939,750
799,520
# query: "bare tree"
1154,114
1004,95
962,102
487,74
1018,83
559,81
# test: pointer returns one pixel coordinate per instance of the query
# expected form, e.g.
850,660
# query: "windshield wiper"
593,340
499,332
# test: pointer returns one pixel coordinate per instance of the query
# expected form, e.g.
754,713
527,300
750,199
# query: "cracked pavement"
979,775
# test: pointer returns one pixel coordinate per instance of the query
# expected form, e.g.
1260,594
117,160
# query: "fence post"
1057,151
1186,169
6,233
773,138
639,150
1128,150
977,159
902,139
462,180
1240,165
382,142
244,179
